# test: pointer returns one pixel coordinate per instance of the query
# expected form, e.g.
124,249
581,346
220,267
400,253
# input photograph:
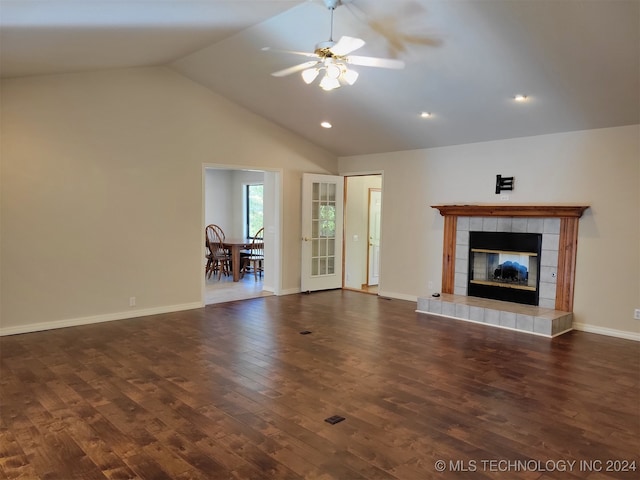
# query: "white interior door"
375,208
322,213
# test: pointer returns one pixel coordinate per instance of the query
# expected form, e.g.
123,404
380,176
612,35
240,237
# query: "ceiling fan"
402,26
333,58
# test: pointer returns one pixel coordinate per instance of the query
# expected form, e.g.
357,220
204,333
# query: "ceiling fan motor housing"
323,49
333,4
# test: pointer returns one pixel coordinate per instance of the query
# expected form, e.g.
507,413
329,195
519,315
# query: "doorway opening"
230,200
362,224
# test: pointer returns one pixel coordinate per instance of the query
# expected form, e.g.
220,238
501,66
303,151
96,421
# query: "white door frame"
272,222
361,174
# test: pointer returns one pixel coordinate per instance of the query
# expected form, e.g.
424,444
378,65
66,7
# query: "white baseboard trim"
398,296
108,317
289,291
576,326
583,327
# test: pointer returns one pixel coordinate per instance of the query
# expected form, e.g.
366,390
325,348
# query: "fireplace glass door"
504,266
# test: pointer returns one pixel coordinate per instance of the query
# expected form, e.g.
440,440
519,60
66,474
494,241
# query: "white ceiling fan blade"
346,45
293,52
294,69
375,62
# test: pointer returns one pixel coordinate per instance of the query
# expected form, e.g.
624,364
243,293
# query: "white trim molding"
584,327
398,296
289,291
108,317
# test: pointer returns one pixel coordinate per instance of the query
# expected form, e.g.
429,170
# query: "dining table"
235,246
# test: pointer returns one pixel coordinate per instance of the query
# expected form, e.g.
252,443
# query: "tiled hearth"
513,316
558,225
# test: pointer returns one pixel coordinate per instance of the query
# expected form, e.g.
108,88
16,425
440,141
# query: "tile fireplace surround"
558,225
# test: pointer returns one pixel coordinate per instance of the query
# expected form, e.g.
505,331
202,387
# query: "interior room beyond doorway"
229,202
363,206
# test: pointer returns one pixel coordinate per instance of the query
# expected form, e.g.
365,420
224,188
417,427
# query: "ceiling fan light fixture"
310,74
350,76
329,83
333,70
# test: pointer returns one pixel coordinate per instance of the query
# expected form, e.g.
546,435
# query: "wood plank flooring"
234,391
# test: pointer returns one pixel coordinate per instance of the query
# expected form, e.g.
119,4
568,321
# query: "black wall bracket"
503,183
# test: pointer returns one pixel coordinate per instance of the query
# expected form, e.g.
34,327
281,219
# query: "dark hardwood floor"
234,391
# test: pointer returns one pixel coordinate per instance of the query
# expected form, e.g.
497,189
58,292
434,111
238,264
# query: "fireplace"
520,218
505,266
549,263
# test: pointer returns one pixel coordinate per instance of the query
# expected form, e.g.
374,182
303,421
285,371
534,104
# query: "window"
323,229
253,216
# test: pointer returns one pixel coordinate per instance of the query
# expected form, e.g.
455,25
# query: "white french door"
322,213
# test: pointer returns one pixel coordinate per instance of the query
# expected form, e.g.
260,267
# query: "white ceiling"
577,60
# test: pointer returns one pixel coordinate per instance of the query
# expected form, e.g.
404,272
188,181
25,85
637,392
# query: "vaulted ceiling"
578,62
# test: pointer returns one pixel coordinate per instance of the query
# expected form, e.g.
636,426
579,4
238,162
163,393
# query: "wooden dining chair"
254,257
218,258
208,233
208,254
218,229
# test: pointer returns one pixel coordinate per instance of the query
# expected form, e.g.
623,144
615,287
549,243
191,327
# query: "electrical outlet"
636,314
430,286
132,301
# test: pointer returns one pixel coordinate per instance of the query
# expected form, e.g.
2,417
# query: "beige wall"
224,198
218,202
101,197
102,191
357,224
600,168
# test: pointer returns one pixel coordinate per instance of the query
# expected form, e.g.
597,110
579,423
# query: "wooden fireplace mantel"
569,216
512,210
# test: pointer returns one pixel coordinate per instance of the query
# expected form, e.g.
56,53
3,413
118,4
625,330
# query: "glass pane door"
324,229
322,232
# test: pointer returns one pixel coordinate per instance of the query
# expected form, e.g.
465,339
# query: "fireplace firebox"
505,266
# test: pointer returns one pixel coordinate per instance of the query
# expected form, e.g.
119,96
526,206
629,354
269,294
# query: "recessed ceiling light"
520,98
326,125
426,114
